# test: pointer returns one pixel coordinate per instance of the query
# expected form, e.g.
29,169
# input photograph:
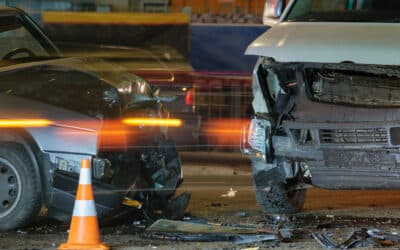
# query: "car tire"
272,193
20,192
169,176
173,167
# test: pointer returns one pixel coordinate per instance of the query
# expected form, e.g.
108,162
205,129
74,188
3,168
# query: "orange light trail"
153,122
224,132
24,123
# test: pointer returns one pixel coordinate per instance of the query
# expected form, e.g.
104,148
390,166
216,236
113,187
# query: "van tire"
277,200
272,189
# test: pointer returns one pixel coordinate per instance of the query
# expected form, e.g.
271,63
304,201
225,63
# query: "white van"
326,100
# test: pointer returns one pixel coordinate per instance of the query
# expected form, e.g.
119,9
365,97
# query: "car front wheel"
20,192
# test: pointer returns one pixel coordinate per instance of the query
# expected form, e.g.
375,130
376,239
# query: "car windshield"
345,11
20,44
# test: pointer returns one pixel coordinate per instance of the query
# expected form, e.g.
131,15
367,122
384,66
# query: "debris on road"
175,209
171,226
330,216
230,193
383,238
249,239
188,231
359,238
210,237
190,237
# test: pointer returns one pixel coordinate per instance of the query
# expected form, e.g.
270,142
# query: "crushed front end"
334,125
87,107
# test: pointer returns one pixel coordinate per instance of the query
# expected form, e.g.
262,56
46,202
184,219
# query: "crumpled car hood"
113,74
89,86
74,94
363,43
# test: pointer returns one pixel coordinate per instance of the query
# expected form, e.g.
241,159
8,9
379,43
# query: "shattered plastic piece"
212,237
198,220
170,226
357,239
190,237
324,240
383,238
248,239
230,194
237,239
132,203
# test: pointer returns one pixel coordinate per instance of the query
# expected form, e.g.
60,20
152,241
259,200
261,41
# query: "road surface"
207,182
209,178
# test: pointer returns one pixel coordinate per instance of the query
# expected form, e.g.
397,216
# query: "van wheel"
20,192
272,193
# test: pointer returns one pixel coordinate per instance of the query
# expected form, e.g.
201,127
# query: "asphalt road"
209,177
209,181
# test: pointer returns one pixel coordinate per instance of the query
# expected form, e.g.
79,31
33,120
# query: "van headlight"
258,138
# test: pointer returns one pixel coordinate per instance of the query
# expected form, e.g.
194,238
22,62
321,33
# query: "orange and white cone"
84,231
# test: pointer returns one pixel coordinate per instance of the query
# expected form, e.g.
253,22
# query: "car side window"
19,38
14,36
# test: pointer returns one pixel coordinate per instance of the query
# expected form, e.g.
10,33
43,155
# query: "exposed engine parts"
323,125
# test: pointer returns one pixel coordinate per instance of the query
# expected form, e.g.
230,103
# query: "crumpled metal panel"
360,159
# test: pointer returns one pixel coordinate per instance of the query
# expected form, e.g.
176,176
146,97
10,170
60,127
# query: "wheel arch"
23,138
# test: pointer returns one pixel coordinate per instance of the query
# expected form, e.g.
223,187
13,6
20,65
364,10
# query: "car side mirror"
273,10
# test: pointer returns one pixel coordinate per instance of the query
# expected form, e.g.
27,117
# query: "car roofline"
6,10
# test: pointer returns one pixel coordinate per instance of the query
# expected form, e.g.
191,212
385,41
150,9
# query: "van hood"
325,42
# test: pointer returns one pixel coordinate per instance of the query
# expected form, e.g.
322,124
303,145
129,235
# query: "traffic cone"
84,231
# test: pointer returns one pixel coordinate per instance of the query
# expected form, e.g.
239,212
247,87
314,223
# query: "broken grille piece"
354,136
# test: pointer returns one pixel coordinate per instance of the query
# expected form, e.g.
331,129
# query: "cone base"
67,246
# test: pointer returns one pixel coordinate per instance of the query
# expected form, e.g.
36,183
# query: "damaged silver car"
55,112
326,100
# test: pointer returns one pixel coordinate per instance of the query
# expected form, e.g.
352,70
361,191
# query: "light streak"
24,123
153,122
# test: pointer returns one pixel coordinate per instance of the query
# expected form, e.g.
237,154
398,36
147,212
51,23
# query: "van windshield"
344,11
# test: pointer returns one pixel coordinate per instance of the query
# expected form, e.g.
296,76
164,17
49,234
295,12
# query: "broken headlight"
102,168
258,138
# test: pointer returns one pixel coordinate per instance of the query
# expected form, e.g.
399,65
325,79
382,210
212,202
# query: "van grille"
354,136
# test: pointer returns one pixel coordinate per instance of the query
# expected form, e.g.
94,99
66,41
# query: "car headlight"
102,168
